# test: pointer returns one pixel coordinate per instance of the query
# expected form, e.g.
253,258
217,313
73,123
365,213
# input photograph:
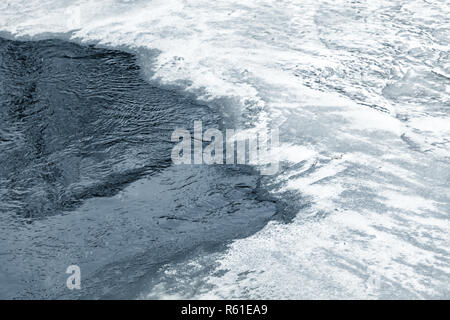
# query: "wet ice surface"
360,92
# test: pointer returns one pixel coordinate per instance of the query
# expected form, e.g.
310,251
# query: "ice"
360,91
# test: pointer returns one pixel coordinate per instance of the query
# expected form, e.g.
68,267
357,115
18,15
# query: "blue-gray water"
86,175
360,93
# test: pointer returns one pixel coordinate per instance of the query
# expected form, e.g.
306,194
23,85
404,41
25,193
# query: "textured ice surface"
360,91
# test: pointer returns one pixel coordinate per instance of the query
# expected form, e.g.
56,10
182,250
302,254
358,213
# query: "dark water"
86,176
78,123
